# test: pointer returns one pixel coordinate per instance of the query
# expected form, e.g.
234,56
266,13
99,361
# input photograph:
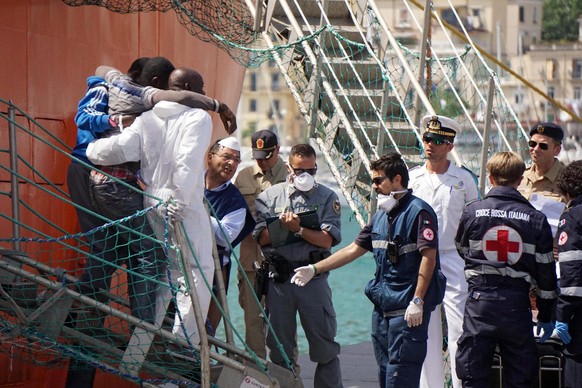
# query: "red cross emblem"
563,238
502,244
428,234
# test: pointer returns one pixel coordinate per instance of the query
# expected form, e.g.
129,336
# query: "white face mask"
388,202
303,182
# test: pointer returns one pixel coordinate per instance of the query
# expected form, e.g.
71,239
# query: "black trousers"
497,314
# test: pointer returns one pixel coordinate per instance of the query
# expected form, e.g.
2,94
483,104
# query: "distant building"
267,103
509,30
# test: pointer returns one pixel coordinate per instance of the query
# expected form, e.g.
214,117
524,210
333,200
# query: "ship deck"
358,365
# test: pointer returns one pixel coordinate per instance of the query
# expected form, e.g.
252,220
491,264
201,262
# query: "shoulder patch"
563,238
337,207
428,234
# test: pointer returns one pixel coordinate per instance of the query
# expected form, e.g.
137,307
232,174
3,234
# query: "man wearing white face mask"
446,188
283,300
407,284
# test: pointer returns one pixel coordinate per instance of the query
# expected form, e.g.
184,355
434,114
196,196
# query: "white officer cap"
441,126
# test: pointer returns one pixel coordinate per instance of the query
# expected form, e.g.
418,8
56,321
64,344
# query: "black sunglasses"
429,140
533,144
299,171
378,180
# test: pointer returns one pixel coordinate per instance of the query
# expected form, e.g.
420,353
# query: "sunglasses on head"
533,144
378,180
299,171
429,140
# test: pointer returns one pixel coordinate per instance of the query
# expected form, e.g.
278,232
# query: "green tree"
560,20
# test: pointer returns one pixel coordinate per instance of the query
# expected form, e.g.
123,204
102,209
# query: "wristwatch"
299,233
417,300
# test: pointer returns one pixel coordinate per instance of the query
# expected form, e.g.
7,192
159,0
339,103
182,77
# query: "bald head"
184,78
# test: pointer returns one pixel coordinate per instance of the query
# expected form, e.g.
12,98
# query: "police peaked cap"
548,129
440,125
263,144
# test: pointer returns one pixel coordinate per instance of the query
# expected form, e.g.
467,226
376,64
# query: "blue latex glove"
562,331
547,327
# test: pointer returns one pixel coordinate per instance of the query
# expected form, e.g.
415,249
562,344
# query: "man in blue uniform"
403,237
507,248
288,202
569,311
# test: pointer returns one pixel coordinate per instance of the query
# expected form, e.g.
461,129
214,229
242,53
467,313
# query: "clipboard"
282,236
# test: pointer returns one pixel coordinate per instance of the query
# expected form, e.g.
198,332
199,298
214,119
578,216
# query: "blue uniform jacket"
569,308
394,285
503,234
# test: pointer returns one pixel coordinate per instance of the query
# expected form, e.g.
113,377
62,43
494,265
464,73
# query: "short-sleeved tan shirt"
251,181
542,184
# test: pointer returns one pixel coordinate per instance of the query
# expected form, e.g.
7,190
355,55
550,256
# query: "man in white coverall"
446,188
170,141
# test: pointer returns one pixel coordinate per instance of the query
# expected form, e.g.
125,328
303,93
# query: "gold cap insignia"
540,128
260,143
434,123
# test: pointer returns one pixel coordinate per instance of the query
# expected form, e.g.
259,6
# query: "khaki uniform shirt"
251,181
542,184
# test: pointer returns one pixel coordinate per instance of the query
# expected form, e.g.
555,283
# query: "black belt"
498,281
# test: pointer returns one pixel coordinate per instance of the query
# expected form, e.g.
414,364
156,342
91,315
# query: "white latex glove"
303,275
176,212
413,314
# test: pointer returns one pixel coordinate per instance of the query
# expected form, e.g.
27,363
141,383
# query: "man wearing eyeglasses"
283,205
268,170
446,188
231,219
544,146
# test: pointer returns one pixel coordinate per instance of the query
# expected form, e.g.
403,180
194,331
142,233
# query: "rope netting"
227,24
101,299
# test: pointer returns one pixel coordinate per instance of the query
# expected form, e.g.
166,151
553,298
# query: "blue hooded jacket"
91,118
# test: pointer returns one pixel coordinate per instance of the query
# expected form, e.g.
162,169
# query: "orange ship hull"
47,51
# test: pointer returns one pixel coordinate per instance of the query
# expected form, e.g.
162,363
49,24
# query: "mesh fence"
111,298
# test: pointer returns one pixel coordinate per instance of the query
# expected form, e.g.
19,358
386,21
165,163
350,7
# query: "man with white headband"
170,142
231,219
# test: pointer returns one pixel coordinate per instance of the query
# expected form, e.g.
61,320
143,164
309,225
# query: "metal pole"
422,62
204,347
14,176
313,113
486,131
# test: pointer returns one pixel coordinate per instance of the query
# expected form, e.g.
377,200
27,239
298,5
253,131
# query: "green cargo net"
227,24
105,298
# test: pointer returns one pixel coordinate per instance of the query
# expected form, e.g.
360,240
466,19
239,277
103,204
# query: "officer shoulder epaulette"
469,171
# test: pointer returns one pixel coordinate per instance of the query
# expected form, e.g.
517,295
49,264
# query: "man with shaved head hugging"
173,171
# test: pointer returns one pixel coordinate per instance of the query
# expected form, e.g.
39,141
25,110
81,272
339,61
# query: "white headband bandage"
230,142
